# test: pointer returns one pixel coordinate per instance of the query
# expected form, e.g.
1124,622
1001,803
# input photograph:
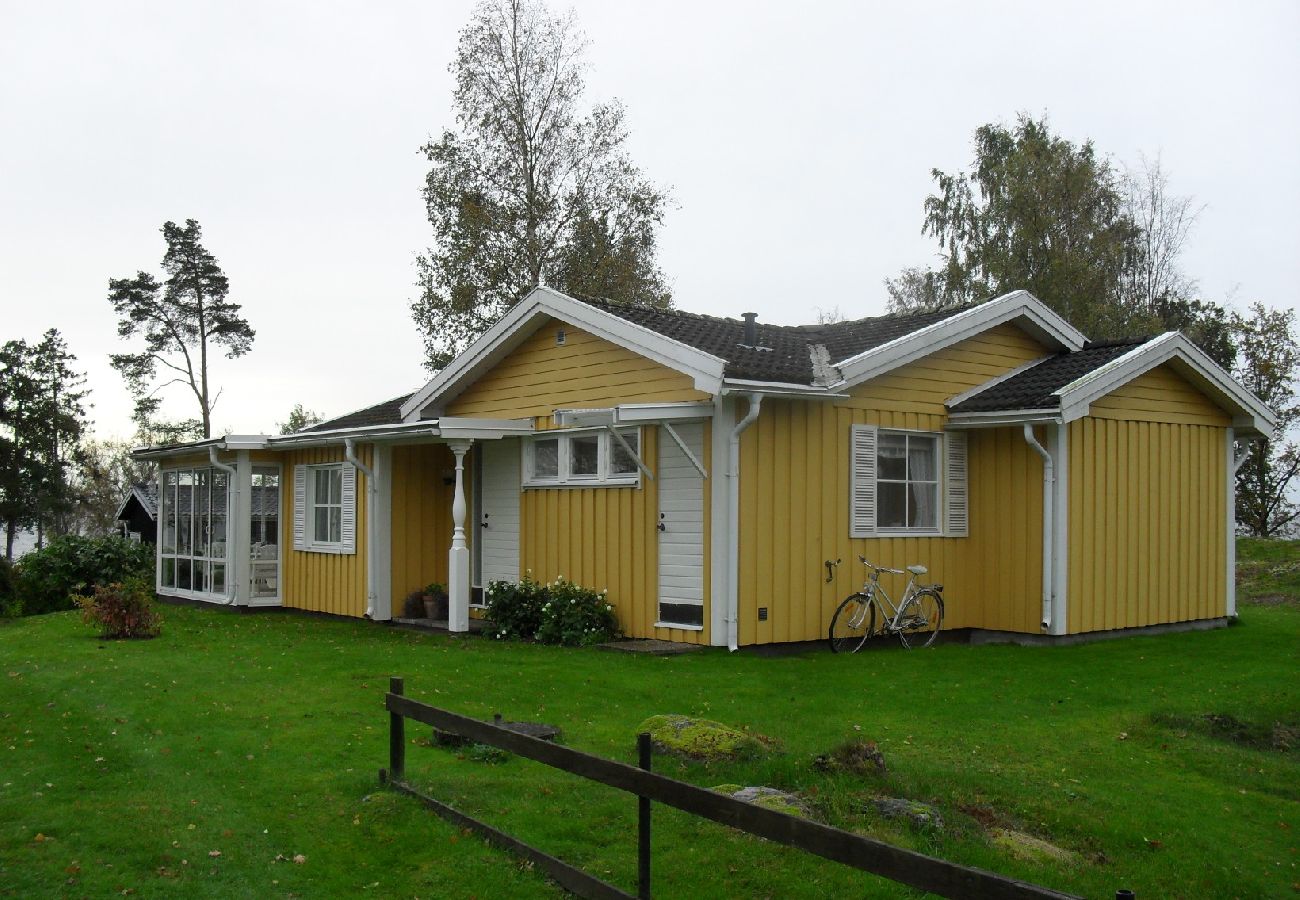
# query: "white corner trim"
704,368
949,331
992,382
1078,396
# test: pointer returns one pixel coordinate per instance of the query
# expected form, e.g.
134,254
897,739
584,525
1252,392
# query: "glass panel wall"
264,510
193,506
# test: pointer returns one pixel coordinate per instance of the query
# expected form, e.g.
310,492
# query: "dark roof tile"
784,351
387,413
1035,387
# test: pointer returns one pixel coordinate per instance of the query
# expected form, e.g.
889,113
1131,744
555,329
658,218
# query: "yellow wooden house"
720,477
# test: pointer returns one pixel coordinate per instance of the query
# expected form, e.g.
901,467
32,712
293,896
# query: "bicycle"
916,620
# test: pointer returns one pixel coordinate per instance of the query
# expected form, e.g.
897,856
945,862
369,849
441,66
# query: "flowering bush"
560,612
121,610
515,609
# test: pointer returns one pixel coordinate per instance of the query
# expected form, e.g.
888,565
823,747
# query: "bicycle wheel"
852,624
921,620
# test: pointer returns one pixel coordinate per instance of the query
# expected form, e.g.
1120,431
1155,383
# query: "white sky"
798,144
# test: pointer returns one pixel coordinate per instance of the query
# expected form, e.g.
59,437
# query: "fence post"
643,823
1124,894
396,736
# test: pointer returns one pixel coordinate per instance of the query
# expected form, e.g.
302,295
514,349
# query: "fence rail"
927,873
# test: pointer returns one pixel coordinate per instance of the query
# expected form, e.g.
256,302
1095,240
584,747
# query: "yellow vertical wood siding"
584,371
1148,516
605,538
323,582
421,528
794,503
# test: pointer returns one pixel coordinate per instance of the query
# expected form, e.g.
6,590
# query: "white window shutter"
349,509
957,504
300,507
862,474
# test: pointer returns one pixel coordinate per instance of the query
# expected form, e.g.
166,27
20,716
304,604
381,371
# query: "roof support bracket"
627,448
677,439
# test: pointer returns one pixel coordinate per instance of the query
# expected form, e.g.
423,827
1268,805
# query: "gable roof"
1067,383
712,350
387,413
145,493
784,353
1035,386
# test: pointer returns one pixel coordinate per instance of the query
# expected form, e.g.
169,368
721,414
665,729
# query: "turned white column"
458,556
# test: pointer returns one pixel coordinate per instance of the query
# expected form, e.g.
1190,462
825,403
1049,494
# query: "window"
907,482
585,459
192,543
324,509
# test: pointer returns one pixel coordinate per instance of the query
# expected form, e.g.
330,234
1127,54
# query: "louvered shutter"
349,509
956,502
300,507
862,474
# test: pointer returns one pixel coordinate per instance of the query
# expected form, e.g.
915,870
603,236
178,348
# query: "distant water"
24,542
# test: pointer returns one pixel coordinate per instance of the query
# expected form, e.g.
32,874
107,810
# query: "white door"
498,512
681,527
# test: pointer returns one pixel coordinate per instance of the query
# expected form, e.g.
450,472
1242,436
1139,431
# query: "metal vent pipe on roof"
751,328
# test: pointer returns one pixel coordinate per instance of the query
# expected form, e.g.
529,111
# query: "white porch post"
458,556
239,570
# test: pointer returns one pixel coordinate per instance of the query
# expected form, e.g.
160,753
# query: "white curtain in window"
922,467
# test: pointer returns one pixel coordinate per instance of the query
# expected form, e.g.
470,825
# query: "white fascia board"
992,382
1036,316
704,368
176,449
575,417
1000,417
459,428
1171,347
245,441
638,413
742,386
338,435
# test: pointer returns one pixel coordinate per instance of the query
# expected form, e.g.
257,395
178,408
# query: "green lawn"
127,765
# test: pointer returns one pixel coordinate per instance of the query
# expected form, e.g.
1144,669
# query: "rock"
1029,848
856,755
768,798
699,738
539,730
921,815
441,738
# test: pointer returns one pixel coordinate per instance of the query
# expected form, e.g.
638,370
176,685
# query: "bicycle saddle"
917,570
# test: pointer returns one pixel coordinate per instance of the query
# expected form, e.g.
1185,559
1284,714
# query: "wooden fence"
927,873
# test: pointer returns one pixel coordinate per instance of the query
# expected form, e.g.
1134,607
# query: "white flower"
609,608
573,600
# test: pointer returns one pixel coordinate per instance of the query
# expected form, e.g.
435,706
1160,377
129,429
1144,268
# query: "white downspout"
1049,490
372,490
733,515
232,478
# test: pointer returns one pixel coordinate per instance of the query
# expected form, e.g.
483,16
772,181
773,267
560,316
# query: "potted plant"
435,601
413,608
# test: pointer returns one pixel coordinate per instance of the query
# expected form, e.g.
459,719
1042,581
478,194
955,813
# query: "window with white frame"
324,514
584,459
907,482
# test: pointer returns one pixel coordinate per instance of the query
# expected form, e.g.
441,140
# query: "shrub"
516,609
50,577
9,605
557,613
575,616
413,606
121,610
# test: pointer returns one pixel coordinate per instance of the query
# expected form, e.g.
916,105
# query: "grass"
125,765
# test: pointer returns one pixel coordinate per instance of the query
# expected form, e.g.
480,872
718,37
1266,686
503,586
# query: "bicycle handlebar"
863,560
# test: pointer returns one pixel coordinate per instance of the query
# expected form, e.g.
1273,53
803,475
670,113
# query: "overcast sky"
797,139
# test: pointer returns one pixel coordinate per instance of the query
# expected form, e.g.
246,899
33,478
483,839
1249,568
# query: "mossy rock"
768,798
699,739
921,815
1028,848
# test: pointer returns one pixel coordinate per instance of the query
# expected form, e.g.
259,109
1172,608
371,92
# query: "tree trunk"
11,530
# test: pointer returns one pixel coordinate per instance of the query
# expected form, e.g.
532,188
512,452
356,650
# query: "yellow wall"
421,529
586,371
1160,395
323,582
1148,517
606,538
794,504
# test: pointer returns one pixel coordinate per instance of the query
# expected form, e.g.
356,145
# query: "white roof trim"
497,342
998,417
1171,347
139,495
778,389
633,414
1038,319
992,382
